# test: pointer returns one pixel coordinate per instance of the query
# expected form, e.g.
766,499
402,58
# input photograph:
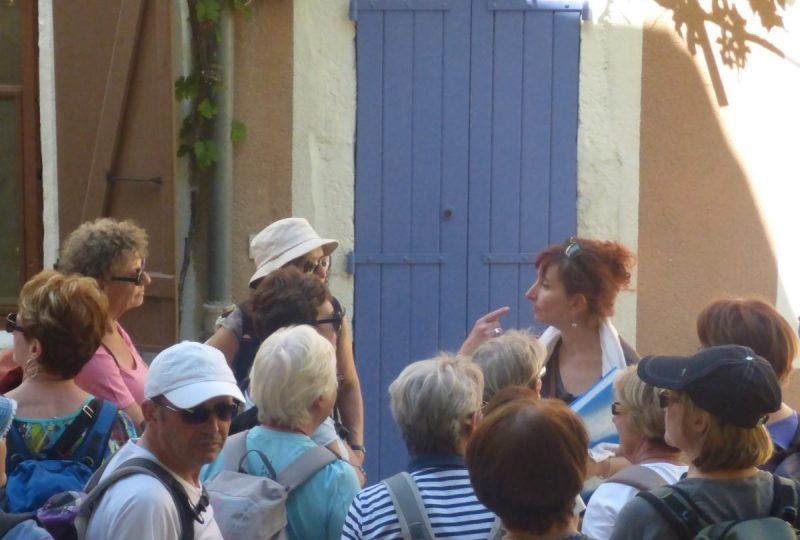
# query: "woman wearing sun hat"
716,402
294,242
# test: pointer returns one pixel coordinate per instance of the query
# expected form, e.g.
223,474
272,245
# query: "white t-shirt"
609,498
139,506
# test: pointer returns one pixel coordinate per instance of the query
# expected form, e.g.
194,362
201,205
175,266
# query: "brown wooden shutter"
116,149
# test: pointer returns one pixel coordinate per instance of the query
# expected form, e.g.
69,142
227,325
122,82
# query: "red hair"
596,269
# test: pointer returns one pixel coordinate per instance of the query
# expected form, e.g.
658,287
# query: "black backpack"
688,521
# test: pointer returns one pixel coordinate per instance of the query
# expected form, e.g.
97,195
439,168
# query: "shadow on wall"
693,17
700,232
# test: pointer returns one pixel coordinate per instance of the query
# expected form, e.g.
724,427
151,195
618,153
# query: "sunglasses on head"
137,279
200,415
334,320
11,324
573,247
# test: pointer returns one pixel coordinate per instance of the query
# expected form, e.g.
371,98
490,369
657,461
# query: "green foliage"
201,88
238,131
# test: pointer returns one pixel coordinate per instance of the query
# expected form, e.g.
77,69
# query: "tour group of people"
495,450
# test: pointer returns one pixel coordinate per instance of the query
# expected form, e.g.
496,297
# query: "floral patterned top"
40,434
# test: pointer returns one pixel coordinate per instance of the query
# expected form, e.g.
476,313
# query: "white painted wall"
47,120
608,133
324,119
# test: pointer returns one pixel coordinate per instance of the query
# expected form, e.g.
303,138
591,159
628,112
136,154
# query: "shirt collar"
427,461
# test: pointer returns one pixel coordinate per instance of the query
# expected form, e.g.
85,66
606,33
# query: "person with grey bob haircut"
437,405
293,384
514,358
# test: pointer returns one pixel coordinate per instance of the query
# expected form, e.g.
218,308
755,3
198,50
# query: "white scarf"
613,356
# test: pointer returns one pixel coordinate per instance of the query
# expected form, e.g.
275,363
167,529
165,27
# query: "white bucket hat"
189,373
284,241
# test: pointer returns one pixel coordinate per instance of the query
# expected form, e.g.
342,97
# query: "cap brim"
664,371
194,394
328,246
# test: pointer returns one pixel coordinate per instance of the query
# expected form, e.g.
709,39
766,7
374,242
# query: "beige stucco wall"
719,182
608,134
323,134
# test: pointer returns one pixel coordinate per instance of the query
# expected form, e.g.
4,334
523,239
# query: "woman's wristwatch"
358,448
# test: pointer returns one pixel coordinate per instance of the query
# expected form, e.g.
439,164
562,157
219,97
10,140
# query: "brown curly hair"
68,315
100,247
285,297
596,269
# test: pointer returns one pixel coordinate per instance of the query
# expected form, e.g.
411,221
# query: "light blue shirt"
317,508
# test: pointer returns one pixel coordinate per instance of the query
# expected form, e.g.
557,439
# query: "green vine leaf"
208,10
238,131
206,152
207,109
244,9
186,88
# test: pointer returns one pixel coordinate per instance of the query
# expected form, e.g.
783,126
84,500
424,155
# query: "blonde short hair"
641,399
724,446
515,358
292,368
431,401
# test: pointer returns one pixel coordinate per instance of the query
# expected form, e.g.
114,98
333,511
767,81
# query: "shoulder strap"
678,509
95,442
414,522
86,418
639,477
784,499
305,466
95,490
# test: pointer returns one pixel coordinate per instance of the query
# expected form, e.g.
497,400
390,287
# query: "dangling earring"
31,368
574,324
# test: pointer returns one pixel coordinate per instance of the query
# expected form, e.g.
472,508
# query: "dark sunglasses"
665,397
11,324
618,408
334,320
310,267
137,279
200,415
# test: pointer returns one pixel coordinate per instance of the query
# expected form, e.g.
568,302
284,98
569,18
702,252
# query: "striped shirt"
450,502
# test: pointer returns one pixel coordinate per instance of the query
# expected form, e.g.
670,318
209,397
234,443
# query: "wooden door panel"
116,148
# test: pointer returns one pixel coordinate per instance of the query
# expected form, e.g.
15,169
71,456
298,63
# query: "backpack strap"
305,466
678,509
414,522
17,450
784,499
187,512
95,442
87,416
639,477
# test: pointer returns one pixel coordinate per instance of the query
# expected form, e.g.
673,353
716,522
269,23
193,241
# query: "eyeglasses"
137,279
334,320
665,397
11,324
310,267
618,408
200,415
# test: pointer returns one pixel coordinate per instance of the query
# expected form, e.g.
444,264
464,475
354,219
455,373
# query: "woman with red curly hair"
574,294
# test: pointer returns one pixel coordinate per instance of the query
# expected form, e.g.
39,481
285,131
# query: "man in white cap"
190,398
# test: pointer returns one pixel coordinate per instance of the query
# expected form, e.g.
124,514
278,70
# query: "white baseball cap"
282,242
189,373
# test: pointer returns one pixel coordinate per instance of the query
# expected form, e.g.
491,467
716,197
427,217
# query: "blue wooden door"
465,168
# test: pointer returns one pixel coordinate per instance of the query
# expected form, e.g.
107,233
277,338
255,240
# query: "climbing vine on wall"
200,90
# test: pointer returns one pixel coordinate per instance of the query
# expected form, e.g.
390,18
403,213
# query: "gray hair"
431,401
292,368
515,358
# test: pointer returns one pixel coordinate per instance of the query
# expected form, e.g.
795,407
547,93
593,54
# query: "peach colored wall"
718,179
263,100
